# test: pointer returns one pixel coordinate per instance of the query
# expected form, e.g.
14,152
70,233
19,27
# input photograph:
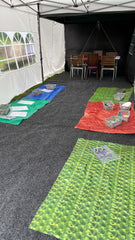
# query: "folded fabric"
105,93
95,115
49,94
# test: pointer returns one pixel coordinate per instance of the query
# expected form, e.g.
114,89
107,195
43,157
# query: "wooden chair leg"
82,74
70,73
113,74
116,71
97,73
101,74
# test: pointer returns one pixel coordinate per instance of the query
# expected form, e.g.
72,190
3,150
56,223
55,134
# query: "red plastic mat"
95,115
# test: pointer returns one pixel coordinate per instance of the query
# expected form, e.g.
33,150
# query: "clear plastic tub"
108,105
36,92
113,121
119,96
125,105
4,109
50,86
124,114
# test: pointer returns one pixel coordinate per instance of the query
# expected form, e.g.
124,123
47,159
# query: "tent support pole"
39,34
134,92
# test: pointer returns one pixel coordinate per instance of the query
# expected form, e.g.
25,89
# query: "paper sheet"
18,114
18,108
46,90
26,102
6,117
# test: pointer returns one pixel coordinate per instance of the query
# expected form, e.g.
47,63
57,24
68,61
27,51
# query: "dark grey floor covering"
33,153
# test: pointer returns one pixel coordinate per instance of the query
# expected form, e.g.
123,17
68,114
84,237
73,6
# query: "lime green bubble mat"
105,93
91,200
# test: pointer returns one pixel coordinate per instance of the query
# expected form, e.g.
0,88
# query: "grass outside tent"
32,88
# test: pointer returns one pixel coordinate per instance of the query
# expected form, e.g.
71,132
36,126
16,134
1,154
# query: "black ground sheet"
33,153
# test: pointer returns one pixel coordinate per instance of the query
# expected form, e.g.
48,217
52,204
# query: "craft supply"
119,94
105,154
18,108
26,102
108,105
46,90
124,114
50,86
4,109
36,92
125,105
113,121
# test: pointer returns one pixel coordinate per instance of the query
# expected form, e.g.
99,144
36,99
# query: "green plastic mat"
31,110
105,93
91,200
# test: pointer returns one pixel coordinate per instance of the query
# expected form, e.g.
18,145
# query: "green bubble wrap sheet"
91,200
105,93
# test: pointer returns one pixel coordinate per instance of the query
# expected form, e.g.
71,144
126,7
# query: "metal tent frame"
48,8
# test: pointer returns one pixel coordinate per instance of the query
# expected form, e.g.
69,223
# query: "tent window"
30,48
4,51
16,51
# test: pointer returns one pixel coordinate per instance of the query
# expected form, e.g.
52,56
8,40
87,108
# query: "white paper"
126,104
18,108
46,90
117,57
17,114
26,102
6,117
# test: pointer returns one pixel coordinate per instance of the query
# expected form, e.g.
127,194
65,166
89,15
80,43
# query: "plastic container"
113,121
124,114
36,92
4,109
119,96
50,86
108,105
125,105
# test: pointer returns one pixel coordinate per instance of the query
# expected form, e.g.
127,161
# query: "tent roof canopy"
56,8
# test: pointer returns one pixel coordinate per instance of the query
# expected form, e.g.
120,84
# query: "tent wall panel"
58,53
53,47
16,82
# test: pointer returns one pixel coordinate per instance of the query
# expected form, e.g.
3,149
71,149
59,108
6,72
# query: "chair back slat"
77,60
114,54
93,59
108,61
99,52
85,54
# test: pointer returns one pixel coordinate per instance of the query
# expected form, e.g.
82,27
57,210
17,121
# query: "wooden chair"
92,64
114,54
99,52
116,61
108,63
85,55
77,64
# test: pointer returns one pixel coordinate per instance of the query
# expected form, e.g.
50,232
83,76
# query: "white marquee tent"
45,55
